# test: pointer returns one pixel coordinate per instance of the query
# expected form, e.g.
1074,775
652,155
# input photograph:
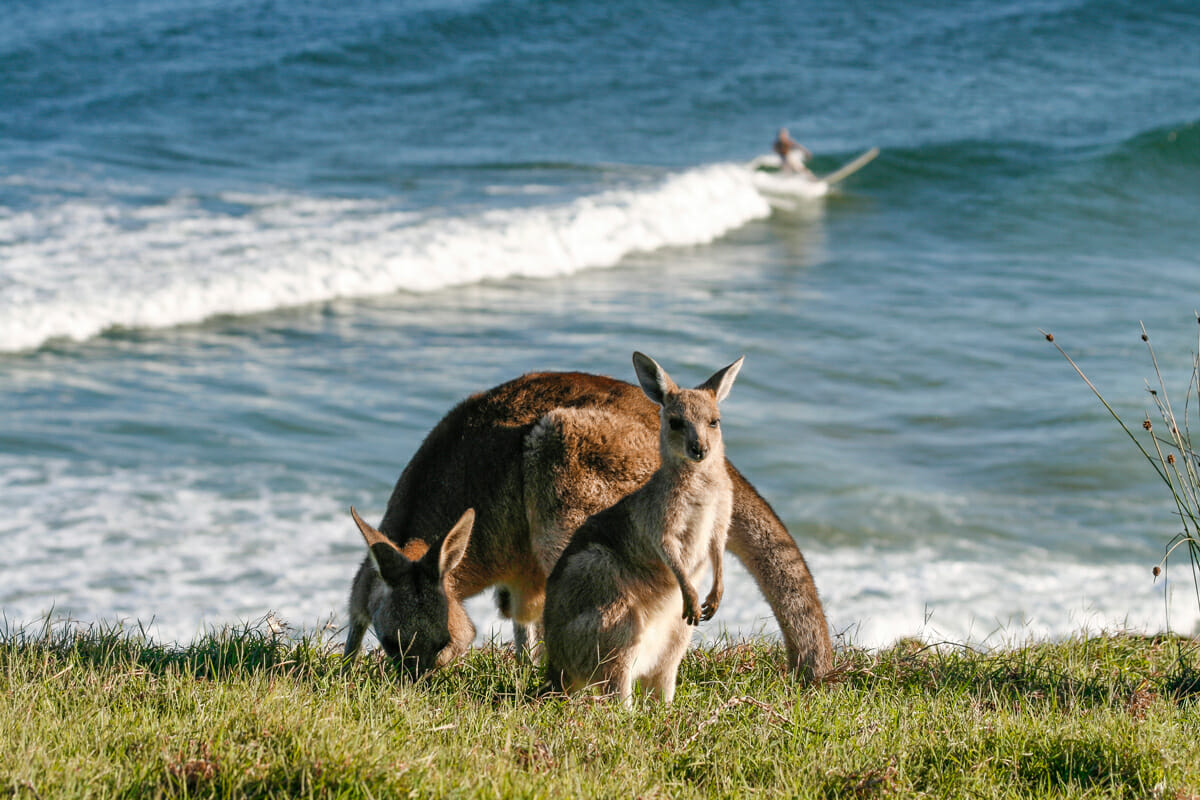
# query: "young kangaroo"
620,601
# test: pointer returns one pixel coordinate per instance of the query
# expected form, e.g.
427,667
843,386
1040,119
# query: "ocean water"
250,253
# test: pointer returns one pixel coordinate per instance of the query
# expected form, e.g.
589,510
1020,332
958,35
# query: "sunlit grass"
101,712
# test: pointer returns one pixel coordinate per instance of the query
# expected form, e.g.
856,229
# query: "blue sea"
251,252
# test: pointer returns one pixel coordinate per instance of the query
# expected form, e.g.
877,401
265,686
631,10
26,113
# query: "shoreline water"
190,400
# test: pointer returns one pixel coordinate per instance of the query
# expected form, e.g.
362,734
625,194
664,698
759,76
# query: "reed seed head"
1170,458
1157,571
1145,338
1049,337
1147,425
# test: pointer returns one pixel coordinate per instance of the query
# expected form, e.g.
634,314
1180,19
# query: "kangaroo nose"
697,451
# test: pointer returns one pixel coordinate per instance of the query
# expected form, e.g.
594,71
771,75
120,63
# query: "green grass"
106,713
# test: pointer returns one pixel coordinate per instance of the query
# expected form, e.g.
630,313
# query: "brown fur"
477,456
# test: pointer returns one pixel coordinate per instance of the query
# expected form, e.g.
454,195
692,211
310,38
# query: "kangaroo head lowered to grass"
529,494
403,596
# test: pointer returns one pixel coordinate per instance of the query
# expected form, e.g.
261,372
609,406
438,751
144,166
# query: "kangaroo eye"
716,423
676,423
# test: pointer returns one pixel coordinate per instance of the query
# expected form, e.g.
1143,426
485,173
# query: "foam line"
81,267
161,545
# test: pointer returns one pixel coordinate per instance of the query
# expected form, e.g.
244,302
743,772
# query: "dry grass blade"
733,702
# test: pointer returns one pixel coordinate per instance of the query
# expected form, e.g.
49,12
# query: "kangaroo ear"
454,546
655,381
722,381
389,562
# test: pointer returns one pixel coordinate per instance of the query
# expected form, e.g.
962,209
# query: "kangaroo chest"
691,524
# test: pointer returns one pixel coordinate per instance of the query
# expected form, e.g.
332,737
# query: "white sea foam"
788,191
103,544
97,544
84,266
873,599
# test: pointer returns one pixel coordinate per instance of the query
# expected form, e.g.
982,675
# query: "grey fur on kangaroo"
621,599
529,500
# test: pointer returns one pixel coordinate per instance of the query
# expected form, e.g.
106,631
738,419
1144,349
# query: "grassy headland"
95,713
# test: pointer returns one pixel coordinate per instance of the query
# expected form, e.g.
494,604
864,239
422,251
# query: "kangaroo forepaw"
690,615
709,609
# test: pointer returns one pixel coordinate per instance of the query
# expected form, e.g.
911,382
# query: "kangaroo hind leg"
661,678
523,605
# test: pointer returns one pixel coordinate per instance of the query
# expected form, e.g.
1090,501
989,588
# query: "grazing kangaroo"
381,596
620,601
528,500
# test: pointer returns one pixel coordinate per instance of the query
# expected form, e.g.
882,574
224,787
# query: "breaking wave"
82,266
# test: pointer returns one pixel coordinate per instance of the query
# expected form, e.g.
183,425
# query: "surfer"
792,154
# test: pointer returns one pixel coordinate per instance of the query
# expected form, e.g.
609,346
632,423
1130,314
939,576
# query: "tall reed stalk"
1171,454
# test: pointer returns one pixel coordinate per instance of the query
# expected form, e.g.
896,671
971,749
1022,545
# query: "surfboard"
793,190
850,167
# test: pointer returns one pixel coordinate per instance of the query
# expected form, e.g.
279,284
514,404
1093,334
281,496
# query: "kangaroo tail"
762,543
